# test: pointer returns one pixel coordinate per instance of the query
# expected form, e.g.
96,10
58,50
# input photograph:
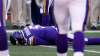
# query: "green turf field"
47,51
51,51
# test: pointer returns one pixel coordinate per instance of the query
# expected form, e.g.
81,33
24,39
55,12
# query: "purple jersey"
41,33
47,35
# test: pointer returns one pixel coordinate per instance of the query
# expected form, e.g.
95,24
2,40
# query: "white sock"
78,54
4,53
61,54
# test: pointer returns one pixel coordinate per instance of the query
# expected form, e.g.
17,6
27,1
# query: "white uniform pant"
6,6
21,12
69,12
94,11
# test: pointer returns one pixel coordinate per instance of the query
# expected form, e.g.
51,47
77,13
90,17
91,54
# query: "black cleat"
15,27
93,28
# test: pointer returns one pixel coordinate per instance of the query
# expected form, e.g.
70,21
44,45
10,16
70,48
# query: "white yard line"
90,51
96,31
10,31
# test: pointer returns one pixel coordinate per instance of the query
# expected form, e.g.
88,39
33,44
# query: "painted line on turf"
90,51
10,31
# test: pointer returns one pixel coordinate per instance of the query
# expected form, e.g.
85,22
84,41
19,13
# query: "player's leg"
60,15
45,15
3,42
3,37
4,8
14,14
8,3
89,40
28,13
92,41
22,13
77,13
94,13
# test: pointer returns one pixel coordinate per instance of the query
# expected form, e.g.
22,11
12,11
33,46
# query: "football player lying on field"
39,35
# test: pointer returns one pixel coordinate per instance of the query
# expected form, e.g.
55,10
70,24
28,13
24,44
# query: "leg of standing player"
17,13
77,10
94,13
21,12
46,15
27,9
4,8
44,6
3,37
60,13
8,3
28,12
14,13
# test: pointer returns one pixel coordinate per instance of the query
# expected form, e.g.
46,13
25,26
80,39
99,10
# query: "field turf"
48,51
